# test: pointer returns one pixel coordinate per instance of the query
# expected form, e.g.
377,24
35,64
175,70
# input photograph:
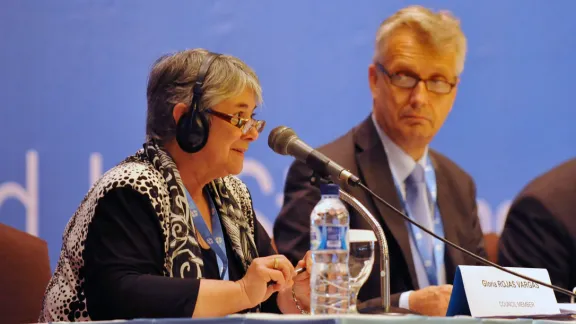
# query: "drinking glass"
360,261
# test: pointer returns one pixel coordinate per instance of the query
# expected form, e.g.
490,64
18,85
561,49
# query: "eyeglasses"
405,81
245,124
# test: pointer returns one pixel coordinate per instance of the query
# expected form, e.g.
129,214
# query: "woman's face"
227,145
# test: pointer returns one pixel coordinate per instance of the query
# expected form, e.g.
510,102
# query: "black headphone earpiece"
193,127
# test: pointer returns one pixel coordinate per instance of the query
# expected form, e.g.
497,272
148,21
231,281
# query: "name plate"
486,292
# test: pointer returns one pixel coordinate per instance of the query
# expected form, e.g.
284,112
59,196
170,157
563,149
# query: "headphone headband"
202,71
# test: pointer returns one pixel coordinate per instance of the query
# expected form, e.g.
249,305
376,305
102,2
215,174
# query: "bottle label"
328,238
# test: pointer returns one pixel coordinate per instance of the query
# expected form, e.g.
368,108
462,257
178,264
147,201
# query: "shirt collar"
401,164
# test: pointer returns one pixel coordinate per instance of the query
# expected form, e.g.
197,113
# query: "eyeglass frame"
245,124
417,80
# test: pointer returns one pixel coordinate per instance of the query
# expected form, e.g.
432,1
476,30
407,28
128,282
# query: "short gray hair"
171,81
439,29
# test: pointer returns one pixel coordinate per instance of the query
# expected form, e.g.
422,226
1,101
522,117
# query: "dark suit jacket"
361,151
540,230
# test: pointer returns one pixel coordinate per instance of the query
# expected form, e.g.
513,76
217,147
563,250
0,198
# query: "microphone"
283,140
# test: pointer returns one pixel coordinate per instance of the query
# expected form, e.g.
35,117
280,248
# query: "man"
540,229
419,56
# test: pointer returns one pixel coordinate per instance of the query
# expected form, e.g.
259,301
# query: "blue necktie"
419,210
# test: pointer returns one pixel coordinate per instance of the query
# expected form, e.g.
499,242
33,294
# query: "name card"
486,291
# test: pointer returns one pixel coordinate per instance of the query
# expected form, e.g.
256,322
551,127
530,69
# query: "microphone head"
279,138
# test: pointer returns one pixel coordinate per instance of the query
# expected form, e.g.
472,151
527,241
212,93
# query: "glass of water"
360,261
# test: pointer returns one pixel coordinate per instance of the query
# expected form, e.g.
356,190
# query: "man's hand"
431,301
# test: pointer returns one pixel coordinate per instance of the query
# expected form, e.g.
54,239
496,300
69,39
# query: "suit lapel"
448,213
376,174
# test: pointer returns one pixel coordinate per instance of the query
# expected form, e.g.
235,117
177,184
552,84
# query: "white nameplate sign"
486,291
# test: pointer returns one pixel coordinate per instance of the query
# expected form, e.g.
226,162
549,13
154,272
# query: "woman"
169,232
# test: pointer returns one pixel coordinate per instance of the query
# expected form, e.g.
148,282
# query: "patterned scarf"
183,257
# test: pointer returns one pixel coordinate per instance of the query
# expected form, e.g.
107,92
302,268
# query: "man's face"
409,112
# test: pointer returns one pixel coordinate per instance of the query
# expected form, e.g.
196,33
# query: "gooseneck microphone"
283,140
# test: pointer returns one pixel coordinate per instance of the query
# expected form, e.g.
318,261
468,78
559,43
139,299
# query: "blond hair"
441,30
172,78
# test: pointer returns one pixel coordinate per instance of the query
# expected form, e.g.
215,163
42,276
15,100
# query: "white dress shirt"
401,165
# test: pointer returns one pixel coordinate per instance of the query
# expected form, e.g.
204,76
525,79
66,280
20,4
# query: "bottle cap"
329,189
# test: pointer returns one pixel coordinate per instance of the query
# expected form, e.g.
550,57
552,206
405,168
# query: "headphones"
193,127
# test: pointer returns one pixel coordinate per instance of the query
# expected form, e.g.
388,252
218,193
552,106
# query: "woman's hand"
263,270
302,282
301,289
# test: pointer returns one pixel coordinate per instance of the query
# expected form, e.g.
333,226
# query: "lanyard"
214,239
432,261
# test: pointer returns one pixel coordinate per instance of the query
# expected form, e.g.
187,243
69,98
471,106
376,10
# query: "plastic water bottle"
330,278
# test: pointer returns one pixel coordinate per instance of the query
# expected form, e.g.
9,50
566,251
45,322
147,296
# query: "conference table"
336,319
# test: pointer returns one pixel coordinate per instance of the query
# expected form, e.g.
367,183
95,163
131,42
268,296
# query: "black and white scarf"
183,247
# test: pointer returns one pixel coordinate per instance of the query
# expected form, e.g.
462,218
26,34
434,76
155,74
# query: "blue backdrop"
73,78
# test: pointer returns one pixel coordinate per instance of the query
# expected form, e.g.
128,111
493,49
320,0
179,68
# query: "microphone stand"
383,244
380,237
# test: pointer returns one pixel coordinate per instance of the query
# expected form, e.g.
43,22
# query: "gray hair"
440,29
171,81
